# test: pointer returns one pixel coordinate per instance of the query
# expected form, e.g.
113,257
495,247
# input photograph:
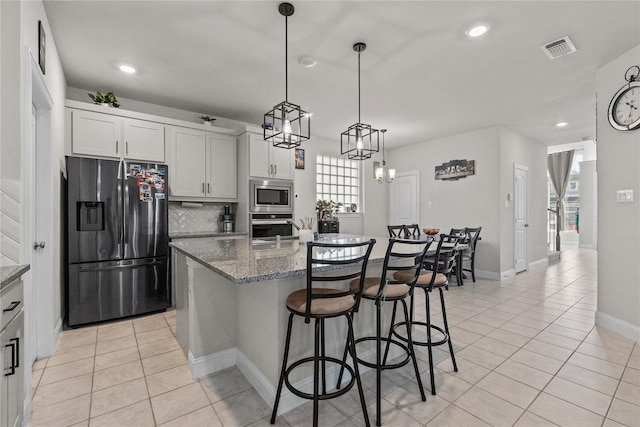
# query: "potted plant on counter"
108,99
208,120
327,221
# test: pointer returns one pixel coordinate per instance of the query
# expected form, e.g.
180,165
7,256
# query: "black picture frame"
42,47
299,158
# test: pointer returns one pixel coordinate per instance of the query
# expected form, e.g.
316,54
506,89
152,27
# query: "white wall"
476,200
618,223
469,202
516,149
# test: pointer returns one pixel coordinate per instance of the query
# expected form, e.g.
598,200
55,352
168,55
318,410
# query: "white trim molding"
620,326
203,366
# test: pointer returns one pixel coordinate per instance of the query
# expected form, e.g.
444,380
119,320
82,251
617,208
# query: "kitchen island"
230,308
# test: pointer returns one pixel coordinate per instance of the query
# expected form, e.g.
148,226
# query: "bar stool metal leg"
352,341
446,328
412,350
316,362
282,371
429,350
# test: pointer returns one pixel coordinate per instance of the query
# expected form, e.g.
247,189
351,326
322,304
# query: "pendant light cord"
359,120
286,54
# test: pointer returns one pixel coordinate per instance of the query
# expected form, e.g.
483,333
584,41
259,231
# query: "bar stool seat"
324,303
297,302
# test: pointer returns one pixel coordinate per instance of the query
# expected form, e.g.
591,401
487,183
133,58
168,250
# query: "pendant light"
382,173
286,125
360,140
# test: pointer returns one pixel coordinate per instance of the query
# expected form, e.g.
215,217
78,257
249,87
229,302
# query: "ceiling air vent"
558,48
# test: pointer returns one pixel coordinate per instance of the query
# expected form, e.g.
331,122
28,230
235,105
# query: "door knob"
37,245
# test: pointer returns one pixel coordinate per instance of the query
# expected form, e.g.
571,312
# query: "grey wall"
618,223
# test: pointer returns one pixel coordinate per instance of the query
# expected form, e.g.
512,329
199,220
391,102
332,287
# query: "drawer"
11,302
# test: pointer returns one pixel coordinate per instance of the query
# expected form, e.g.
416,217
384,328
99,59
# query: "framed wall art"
299,158
455,169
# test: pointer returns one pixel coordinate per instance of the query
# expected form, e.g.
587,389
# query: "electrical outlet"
211,220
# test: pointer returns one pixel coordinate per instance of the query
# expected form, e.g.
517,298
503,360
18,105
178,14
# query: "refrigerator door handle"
125,207
119,267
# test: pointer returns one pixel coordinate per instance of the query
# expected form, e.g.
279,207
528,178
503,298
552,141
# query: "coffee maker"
226,222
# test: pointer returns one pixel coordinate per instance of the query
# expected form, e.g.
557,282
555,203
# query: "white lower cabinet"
12,391
202,164
105,135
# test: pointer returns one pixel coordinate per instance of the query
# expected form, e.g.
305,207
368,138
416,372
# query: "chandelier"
286,125
360,140
382,173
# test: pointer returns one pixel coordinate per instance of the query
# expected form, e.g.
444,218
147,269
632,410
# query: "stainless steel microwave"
270,195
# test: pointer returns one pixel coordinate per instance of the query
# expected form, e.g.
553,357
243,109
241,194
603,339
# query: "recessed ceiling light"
127,69
561,124
478,30
307,61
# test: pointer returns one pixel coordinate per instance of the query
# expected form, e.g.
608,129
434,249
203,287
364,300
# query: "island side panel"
180,285
212,316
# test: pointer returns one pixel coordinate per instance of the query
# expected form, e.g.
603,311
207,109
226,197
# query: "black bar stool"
332,262
441,266
387,289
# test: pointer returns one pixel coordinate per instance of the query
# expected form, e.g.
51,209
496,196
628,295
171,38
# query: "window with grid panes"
338,179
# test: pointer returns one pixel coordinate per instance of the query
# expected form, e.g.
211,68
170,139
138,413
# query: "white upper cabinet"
267,161
222,180
95,134
143,140
187,171
105,135
202,165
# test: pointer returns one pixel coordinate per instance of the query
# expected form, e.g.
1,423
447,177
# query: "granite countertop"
195,234
249,261
10,273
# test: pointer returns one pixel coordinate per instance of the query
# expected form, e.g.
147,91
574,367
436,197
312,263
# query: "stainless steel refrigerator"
118,243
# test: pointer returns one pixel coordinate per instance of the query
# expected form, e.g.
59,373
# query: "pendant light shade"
286,125
381,172
360,140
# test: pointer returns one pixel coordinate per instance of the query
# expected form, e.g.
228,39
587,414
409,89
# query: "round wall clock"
624,109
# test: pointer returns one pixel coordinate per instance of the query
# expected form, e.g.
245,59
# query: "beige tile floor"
527,349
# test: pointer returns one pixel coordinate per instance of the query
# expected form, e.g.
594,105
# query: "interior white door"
404,198
33,221
521,217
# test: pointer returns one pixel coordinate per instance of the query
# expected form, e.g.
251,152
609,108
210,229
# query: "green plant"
207,118
108,98
327,208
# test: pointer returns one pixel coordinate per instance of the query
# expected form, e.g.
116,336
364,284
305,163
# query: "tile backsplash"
204,217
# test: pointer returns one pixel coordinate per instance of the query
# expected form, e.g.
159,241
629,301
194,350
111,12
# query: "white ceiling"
422,78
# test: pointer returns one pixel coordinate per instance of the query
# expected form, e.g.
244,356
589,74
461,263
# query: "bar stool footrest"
385,365
444,340
321,396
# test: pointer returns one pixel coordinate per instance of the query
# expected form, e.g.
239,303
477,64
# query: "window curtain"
559,166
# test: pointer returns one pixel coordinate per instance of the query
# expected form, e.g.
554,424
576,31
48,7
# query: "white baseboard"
587,246
539,263
484,274
203,366
620,326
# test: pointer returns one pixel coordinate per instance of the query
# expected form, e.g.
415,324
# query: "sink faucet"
294,224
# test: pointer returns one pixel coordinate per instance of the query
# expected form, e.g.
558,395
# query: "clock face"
624,111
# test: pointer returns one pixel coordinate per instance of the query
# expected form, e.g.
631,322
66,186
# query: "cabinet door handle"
17,341
13,359
203,188
275,169
208,188
12,306
126,147
116,146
